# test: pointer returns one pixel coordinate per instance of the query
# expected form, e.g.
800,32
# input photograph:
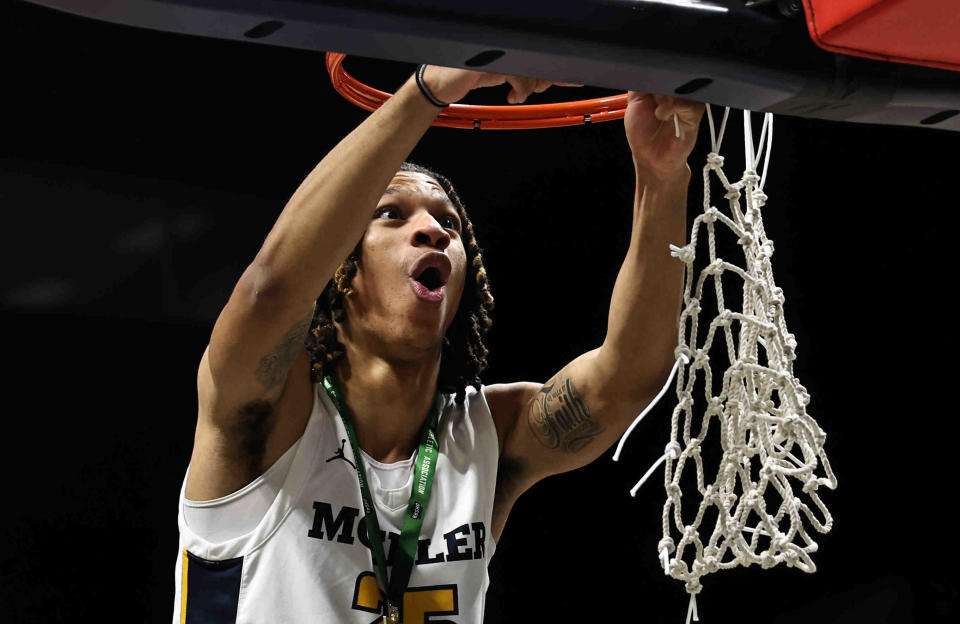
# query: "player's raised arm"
582,410
259,336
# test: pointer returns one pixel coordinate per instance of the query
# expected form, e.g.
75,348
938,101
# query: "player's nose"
428,232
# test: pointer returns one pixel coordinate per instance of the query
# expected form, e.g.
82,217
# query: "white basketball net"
767,437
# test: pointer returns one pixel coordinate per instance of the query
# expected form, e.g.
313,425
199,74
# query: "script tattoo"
273,368
559,418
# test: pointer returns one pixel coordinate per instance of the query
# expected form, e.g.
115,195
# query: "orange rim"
516,117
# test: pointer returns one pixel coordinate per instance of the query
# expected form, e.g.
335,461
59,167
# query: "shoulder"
506,401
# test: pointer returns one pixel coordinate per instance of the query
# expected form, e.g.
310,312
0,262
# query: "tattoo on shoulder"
559,419
273,368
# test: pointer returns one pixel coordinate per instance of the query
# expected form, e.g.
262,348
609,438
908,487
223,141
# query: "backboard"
717,51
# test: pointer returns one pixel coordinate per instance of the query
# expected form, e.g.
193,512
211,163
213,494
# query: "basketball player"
348,465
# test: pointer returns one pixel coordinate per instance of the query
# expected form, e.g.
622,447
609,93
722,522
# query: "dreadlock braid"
464,354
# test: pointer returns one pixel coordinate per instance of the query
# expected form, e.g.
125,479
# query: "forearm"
645,305
328,213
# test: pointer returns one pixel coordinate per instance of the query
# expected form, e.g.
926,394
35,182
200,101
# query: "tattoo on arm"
274,367
559,419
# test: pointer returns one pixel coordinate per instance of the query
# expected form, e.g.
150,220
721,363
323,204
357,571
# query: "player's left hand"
651,132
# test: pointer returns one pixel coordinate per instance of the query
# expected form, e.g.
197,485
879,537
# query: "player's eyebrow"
393,190
396,190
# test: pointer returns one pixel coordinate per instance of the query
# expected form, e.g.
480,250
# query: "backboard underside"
739,57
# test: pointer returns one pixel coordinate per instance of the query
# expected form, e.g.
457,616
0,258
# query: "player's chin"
421,344
428,331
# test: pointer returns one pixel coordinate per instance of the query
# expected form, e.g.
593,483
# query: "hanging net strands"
765,492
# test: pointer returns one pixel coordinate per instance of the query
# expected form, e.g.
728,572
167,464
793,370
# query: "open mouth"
430,278
429,275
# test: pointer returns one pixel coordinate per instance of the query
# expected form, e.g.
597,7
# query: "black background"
139,173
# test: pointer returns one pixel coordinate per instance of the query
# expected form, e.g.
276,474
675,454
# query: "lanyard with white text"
423,473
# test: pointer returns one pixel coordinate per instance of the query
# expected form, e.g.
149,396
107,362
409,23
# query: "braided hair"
464,355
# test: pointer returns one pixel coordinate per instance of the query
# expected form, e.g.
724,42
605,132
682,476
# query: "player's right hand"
451,85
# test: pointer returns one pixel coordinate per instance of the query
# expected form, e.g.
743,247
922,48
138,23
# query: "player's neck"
388,400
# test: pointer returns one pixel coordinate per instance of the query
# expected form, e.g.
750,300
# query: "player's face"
395,300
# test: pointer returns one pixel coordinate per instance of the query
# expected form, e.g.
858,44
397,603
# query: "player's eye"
451,222
387,210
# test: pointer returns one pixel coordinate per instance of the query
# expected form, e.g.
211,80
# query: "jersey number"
419,603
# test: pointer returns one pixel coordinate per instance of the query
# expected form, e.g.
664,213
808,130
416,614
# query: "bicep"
570,420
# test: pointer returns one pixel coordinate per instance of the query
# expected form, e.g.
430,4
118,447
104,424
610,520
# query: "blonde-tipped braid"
344,275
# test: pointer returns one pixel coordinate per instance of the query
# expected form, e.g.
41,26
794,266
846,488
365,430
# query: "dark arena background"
141,170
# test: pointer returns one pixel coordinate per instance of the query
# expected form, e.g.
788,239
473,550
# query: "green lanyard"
423,473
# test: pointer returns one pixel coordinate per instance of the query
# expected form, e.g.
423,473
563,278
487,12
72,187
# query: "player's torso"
309,560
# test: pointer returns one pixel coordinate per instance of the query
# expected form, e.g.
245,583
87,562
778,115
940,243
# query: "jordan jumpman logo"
340,455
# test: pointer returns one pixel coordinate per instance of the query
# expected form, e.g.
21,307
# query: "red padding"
922,32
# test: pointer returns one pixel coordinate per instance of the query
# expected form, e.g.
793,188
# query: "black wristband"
426,91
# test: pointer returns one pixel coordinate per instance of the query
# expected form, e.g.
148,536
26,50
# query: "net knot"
733,194
779,542
766,250
693,305
715,160
790,556
802,395
750,178
673,491
710,215
714,268
811,485
693,447
694,586
673,450
730,529
666,543
776,294
791,342
685,254
767,560
710,560
760,197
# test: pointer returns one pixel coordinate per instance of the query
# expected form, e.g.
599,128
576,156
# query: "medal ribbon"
423,473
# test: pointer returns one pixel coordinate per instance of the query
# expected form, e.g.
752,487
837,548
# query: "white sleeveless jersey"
309,559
